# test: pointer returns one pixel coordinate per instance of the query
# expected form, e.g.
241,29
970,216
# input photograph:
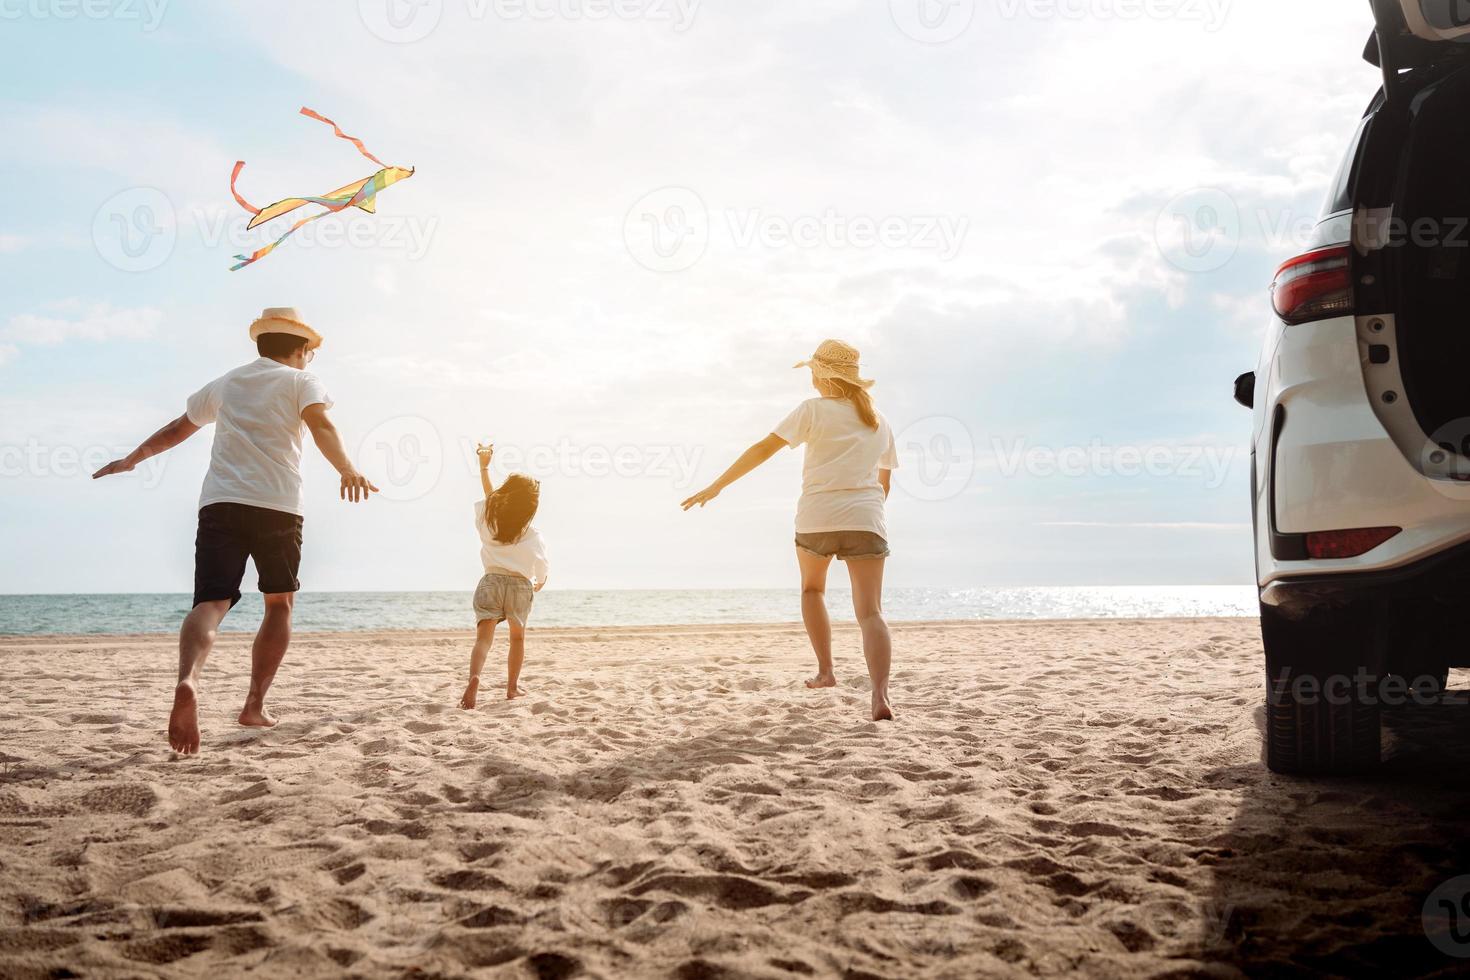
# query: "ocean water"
346,611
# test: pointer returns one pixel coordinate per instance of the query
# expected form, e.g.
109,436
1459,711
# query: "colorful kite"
359,194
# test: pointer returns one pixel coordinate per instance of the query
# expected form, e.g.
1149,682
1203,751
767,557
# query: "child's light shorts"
501,596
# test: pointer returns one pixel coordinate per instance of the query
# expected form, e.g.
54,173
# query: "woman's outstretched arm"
749,460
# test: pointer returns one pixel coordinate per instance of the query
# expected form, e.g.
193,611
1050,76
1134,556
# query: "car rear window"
1340,197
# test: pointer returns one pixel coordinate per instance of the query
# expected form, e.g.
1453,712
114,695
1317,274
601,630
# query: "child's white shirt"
526,556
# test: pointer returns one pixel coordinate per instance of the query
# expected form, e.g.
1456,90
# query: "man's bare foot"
822,680
471,692
882,710
183,720
254,715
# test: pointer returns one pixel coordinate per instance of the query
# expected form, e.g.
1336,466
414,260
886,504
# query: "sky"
1049,225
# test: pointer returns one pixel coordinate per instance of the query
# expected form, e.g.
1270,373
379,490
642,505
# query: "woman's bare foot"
471,692
254,715
822,680
511,693
183,720
882,710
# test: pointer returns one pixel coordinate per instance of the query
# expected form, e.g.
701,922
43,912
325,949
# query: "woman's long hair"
510,508
846,390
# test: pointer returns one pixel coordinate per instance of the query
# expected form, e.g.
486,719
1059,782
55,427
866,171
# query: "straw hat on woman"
850,458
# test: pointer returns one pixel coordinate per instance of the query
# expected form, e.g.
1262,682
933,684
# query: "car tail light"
1347,544
1314,286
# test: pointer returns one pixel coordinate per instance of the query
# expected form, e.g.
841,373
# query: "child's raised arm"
486,453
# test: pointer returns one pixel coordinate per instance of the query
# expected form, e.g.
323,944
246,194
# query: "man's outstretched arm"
355,486
161,441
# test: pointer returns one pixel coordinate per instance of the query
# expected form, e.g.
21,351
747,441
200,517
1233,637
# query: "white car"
1361,440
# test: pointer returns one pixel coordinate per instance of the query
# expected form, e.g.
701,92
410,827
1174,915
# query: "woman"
850,458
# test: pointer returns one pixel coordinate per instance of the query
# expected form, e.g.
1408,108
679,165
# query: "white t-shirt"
525,557
839,477
256,458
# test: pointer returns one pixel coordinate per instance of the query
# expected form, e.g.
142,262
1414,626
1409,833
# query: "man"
251,504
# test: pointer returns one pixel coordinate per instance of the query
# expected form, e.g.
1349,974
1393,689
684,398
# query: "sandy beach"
1054,798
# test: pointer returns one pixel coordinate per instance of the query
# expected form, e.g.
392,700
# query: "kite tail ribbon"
313,114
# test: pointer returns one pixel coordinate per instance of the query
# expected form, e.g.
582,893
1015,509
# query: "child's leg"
484,636
516,657
814,614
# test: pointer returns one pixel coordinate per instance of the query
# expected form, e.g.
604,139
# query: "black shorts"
230,533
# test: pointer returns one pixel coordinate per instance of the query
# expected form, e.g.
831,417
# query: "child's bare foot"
882,710
183,720
471,691
254,715
822,680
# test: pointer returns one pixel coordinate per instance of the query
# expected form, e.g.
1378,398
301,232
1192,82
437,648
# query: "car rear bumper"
1326,462
1443,577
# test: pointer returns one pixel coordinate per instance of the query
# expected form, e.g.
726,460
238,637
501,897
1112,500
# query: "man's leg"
196,639
266,655
866,575
514,658
814,614
220,553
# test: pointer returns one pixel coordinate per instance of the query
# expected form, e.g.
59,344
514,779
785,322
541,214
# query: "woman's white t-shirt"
525,557
256,457
839,478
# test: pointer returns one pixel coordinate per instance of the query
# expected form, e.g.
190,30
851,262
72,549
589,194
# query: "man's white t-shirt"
839,478
256,458
526,556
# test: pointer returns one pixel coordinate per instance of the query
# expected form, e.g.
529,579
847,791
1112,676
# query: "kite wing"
361,194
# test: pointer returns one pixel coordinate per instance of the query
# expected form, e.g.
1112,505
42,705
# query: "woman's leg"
867,603
814,614
516,658
484,636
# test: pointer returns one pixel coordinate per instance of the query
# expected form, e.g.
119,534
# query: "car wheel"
1318,721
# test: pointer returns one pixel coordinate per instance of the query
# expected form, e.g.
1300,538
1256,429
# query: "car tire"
1307,733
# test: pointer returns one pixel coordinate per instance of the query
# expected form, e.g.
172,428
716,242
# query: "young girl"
515,569
850,458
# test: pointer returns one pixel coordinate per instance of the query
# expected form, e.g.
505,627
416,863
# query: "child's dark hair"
510,508
279,344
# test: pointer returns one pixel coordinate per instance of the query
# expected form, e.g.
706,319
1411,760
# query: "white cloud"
73,320
12,243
